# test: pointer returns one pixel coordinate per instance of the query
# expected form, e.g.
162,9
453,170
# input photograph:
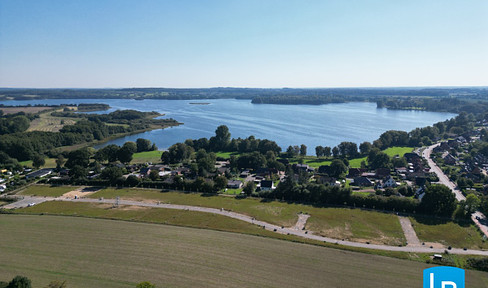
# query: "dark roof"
267,183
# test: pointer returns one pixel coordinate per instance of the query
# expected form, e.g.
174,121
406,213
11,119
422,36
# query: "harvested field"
25,109
107,253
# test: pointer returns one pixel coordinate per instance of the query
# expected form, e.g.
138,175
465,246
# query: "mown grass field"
392,151
337,223
50,163
106,253
148,156
448,233
357,225
46,190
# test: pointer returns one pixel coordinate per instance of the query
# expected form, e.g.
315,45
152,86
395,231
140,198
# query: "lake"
325,125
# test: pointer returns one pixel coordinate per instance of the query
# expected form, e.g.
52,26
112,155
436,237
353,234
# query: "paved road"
478,218
409,232
443,179
267,226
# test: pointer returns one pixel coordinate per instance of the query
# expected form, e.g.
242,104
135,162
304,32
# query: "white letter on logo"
431,280
445,283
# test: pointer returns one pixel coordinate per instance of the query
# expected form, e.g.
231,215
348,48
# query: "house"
326,180
420,193
234,184
382,172
412,157
387,182
244,174
39,173
449,159
144,172
362,181
355,172
390,182
267,185
302,167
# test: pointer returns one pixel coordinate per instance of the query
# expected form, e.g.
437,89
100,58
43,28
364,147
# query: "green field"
392,151
50,163
448,233
148,156
46,190
226,155
146,214
357,225
312,161
400,151
383,228
106,253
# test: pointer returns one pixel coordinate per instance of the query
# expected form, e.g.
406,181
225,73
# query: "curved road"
478,218
305,234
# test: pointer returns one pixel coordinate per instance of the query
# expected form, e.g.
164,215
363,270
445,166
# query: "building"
39,173
234,184
267,185
362,181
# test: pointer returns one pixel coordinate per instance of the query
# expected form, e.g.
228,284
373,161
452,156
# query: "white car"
31,204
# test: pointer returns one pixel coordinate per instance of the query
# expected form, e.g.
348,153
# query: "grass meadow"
105,253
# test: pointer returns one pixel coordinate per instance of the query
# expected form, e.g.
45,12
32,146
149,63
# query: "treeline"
13,124
445,104
370,94
25,145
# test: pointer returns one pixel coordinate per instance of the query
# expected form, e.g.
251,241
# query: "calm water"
325,125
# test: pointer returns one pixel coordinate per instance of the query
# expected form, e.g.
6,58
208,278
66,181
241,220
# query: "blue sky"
243,43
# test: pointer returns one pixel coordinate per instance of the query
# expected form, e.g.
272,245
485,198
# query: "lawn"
383,228
226,155
357,225
356,163
46,190
392,151
148,156
106,253
50,163
400,151
448,233
313,161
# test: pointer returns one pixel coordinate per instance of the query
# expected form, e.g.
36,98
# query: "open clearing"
48,123
25,109
145,157
106,253
50,163
357,225
48,191
339,223
448,233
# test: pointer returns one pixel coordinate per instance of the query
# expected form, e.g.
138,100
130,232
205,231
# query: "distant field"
27,110
107,253
357,225
46,190
448,233
333,222
49,123
148,156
